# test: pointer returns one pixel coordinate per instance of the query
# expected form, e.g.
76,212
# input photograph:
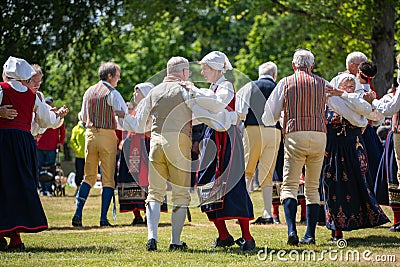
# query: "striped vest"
304,105
23,102
100,114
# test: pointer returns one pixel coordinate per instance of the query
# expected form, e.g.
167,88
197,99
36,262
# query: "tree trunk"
383,44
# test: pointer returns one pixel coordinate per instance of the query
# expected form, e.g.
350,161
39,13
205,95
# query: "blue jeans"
46,158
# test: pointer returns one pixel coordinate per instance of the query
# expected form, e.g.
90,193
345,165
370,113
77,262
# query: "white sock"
267,197
153,217
249,185
178,217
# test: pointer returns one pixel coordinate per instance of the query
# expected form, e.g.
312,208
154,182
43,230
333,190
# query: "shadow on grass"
116,226
230,250
374,241
96,249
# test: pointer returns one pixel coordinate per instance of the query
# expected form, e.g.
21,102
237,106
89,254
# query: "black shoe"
151,245
19,247
137,220
245,245
183,246
276,220
307,241
293,239
223,243
106,223
3,244
395,227
76,221
261,220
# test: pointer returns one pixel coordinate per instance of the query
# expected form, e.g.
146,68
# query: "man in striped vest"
98,106
301,97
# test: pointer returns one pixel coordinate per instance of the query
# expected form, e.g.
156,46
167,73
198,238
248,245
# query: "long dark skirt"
387,175
229,198
350,203
20,206
374,149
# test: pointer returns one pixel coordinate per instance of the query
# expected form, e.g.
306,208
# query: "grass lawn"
124,245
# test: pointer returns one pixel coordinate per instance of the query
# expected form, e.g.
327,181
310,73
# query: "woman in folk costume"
387,182
366,72
133,165
387,188
20,207
350,203
223,167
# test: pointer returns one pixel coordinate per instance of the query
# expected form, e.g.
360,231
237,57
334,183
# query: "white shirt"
274,105
352,107
220,121
35,128
389,104
42,114
114,99
242,103
214,102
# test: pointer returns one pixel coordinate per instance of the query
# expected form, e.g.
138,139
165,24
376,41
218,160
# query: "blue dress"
350,203
387,177
374,149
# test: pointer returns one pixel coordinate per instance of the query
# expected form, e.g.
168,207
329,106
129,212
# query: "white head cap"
18,69
217,61
145,88
338,79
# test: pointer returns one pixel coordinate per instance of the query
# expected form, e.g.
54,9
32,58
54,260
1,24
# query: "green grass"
124,245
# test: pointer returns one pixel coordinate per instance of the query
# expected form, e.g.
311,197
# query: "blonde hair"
37,68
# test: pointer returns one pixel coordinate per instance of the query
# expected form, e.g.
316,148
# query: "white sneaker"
41,194
48,194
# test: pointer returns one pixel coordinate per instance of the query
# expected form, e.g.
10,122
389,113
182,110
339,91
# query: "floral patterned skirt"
350,203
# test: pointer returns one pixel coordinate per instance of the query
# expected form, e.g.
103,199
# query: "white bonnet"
337,80
217,61
145,87
18,69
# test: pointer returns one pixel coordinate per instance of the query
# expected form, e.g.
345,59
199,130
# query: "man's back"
260,91
169,111
304,102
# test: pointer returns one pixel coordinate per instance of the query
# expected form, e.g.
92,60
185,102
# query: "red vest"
23,102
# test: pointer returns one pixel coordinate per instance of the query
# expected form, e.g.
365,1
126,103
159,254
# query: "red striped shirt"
304,104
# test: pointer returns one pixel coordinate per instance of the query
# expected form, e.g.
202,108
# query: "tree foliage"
71,38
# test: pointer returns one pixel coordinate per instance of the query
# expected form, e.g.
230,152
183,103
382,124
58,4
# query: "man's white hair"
303,58
356,58
269,68
177,64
